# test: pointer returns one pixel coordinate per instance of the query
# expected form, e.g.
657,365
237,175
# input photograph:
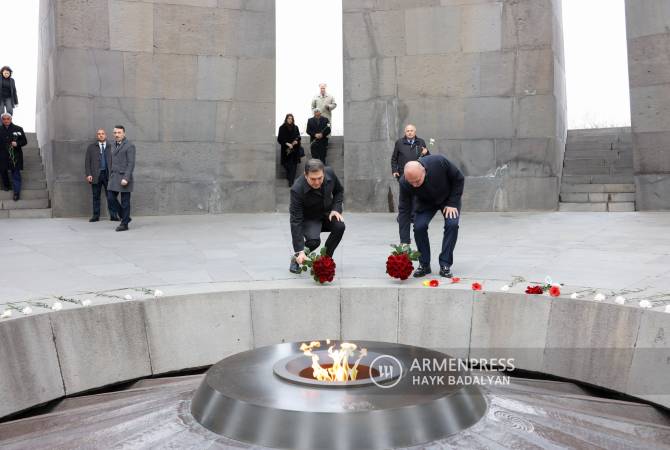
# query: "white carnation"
505,288
27,310
128,297
599,297
57,306
6,313
620,300
158,293
574,296
645,304
86,302
667,309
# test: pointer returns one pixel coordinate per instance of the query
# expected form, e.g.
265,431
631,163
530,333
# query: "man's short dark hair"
314,165
120,127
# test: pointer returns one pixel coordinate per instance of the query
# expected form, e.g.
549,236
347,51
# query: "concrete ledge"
45,356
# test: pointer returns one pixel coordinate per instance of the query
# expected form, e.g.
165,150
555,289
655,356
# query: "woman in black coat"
291,152
8,97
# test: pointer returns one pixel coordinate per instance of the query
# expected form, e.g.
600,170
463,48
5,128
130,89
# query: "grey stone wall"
648,30
484,78
192,81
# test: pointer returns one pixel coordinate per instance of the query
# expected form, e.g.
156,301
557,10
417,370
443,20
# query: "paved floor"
614,252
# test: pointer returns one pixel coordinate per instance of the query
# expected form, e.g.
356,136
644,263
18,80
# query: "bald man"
436,185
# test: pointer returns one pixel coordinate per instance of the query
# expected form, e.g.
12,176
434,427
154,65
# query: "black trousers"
319,149
313,229
291,168
122,208
96,189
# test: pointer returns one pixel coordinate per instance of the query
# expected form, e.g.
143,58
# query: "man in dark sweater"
438,186
316,206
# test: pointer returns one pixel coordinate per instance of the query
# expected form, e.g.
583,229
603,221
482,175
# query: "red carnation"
476,286
534,290
323,269
399,266
455,280
554,291
434,283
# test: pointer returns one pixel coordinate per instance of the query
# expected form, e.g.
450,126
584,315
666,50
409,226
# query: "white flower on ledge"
158,293
620,300
128,297
86,302
57,306
6,314
431,141
27,310
574,296
599,297
548,280
667,309
505,288
645,304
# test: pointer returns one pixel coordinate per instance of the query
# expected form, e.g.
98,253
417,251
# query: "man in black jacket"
98,160
12,138
408,148
316,206
318,128
438,186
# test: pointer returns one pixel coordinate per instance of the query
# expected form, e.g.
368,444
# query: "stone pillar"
648,31
191,80
485,79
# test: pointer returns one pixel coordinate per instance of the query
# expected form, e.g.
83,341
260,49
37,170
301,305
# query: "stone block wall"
191,80
648,32
484,78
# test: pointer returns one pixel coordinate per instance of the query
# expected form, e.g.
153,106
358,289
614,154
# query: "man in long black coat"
12,138
437,185
97,163
318,128
121,167
316,206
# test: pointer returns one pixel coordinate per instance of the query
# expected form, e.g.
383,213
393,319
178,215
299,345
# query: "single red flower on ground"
399,266
434,283
476,286
323,269
534,290
455,280
554,291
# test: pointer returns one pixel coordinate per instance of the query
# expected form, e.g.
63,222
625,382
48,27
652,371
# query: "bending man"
438,186
316,206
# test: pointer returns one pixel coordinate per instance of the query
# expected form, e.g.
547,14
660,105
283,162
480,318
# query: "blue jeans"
16,180
421,221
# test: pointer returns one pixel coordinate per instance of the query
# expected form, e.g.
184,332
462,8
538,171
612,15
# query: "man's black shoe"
445,272
114,219
94,219
294,267
422,271
122,227
16,197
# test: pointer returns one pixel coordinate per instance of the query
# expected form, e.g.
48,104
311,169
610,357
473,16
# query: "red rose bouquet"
399,263
322,266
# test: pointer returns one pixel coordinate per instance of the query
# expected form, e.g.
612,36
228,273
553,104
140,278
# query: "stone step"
606,155
586,169
26,194
597,197
621,207
598,179
583,207
33,184
594,187
43,213
25,204
32,152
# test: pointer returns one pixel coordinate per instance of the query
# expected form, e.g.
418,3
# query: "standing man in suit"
12,138
98,157
324,102
316,206
121,166
318,128
438,186
408,148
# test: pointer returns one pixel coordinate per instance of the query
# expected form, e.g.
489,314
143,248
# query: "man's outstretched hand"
449,212
301,258
336,215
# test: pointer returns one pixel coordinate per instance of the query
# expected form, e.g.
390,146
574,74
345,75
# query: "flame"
340,370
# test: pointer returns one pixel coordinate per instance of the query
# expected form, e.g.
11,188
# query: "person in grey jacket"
121,166
98,157
324,102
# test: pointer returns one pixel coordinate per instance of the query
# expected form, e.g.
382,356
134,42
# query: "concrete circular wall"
46,356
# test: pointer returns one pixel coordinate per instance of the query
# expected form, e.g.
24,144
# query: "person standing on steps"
288,138
12,138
